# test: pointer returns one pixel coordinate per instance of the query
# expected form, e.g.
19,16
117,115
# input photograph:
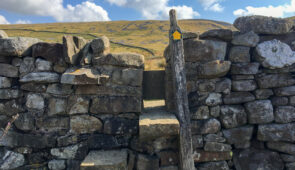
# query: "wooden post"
180,93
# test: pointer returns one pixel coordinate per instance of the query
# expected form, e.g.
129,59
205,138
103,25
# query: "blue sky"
45,11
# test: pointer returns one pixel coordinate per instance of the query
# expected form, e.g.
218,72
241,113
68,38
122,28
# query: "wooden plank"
181,100
153,85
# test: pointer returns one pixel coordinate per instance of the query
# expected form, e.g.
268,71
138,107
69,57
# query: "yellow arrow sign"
176,35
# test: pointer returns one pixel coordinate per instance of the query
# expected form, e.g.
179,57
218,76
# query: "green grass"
152,35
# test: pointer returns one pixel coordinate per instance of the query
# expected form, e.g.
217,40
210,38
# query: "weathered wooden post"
180,93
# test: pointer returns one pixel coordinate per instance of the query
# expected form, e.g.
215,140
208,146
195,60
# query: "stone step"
155,124
105,160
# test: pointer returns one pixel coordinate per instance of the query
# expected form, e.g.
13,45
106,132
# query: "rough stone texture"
70,152
43,65
100,46
239,54
244,68
214,138
240,137
290,166
204,50
168,158
105,160
274,80
221,34
35,101
47,125
257,159
222,165
274,54
282,147
3,34
288,158
52,52
233,116
205,126
215,111
203,156
213,99
5,82
11,160
197,141
157,125
217,147
57,164
25,122
201,113
59,89
9,94
263,24
263,93
284,114
121,60
285,91
214,69
260,111
83,76
115,105
57,106
11,107
249,39
127,77
27,66
145,162
243,77
276,132
17,46
40,77
103,141
244,85
71,48
77,105
7,70
223,86
279,101
121,126
238,98
85,124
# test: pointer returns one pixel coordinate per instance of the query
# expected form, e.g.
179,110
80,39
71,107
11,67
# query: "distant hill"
149,34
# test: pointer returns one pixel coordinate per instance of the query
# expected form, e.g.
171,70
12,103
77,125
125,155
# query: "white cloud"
212,5
156,9
3,20
86,11
23,22
274,11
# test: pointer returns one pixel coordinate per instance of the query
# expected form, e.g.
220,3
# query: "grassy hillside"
152,35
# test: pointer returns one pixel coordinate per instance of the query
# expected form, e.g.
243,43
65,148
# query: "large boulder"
213,69
240,137
221,34
249,39
263,24
17,46
11,160
8,70
52,52
3,34
204,50
40,77
83,76
274,54
276,132
121,60
260,111
72,45
251,159
85,124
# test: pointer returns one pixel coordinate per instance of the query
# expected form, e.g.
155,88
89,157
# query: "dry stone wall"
74,99
241,95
